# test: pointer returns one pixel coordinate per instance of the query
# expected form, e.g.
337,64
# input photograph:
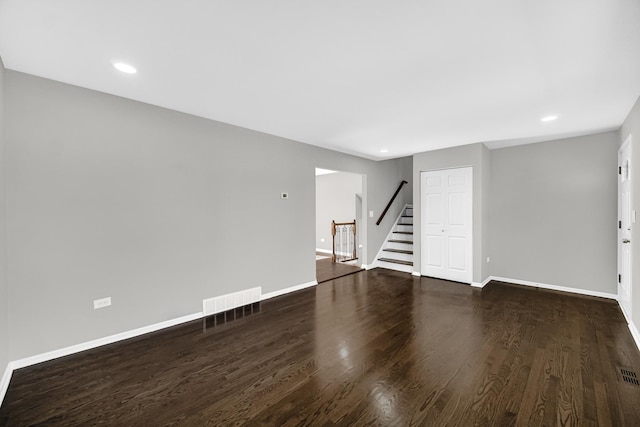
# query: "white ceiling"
357,76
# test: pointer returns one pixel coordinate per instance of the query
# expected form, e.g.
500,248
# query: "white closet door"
447,216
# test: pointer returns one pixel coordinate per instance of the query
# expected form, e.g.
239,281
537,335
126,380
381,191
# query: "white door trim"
624,288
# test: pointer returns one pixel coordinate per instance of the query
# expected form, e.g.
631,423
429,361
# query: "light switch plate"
100,303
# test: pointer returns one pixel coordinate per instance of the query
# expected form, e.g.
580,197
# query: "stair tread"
400,241
395,261
399,251
403,232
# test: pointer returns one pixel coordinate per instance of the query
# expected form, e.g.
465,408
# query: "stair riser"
408,212
396,267
396,236
403,246
395,255
401,227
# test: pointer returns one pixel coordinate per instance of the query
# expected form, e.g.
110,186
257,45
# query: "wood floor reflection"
327,270
374,348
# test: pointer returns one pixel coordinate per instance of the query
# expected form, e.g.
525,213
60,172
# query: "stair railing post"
354,239
333,241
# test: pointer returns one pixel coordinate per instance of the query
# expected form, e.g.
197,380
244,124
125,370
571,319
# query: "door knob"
626,241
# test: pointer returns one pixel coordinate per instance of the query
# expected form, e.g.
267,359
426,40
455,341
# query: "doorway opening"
340,198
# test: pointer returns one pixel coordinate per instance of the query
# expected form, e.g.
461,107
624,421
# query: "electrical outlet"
101,303
488,259
284,195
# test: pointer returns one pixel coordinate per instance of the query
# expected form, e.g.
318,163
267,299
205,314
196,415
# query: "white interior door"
447,216
626,219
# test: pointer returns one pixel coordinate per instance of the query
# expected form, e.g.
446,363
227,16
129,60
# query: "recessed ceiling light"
125,68
384,150
549,118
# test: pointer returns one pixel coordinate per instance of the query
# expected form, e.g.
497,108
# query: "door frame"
361,223
626,310
422,225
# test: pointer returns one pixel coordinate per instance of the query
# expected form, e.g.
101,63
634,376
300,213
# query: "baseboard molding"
288,290
634,333
632,327
627,316
416,273
50,355
4,382
554,287
325,251
481,284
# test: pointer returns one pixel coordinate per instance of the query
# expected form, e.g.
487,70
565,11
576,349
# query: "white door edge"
624,288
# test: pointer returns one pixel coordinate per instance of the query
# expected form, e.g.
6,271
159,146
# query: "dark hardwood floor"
327,270
374,348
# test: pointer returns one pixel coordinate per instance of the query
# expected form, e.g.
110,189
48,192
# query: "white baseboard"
483,284
54,354
325,251
4,381
627,316
555,287
288,290
416,273
634,333
632,327
50,355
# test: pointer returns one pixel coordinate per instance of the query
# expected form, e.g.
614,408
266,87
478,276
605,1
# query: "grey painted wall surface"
335,200
4,291
553,212
467,155
155,209
631,126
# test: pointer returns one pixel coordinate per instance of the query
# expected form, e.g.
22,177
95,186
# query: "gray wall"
335,200
154,208
4,292
554,211
476,155
631,126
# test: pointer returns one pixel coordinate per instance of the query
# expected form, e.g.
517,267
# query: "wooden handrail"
384,212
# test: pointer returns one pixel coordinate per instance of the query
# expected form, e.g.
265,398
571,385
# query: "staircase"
397,252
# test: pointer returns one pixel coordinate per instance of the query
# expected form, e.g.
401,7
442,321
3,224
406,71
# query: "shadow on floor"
327,270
